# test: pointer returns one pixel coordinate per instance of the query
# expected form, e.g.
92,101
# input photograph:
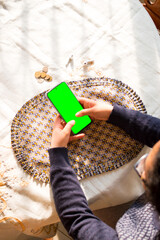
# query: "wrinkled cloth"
121,39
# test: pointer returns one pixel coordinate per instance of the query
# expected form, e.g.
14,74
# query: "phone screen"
67,105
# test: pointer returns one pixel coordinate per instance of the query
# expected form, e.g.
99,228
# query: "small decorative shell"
45,69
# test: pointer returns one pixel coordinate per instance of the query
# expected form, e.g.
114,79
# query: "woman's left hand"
61,133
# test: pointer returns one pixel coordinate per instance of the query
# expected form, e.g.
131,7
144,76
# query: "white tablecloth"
123,42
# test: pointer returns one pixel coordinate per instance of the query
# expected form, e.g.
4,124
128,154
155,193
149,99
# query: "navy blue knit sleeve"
140,126
71,204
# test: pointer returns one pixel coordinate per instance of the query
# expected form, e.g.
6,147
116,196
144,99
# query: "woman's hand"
61,133
95,109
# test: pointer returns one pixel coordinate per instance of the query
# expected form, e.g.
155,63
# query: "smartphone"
67,105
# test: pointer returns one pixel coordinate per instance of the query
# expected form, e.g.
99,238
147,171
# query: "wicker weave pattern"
104,148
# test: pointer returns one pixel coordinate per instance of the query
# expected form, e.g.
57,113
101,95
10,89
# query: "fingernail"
73,122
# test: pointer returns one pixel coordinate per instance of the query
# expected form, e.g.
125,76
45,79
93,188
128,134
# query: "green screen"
67,105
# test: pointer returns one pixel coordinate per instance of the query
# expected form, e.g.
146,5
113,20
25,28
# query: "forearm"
141,127
71,203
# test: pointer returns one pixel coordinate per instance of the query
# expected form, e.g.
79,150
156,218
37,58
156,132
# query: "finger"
84,112
68,126
82,100
58,122
76,137
63,123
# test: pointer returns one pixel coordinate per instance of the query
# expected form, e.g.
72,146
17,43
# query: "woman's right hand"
95,109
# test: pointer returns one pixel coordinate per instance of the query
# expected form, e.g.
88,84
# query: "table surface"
121,39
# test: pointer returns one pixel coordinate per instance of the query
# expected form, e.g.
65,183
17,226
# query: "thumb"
84,112
68,126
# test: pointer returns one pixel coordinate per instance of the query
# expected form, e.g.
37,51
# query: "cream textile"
123,42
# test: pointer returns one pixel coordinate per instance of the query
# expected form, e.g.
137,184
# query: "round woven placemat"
104,148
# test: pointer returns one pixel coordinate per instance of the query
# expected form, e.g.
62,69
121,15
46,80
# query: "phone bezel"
59,112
